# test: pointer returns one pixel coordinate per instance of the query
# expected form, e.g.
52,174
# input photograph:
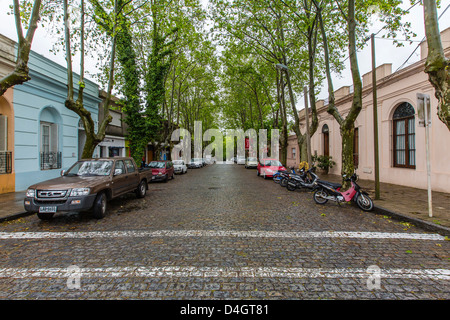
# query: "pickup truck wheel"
142,189
99,208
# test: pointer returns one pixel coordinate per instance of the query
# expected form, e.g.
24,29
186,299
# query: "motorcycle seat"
331,184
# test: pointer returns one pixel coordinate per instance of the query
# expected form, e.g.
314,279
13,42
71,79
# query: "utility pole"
424,115
375,121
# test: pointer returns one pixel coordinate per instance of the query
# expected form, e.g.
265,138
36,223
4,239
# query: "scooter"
325,190
304,180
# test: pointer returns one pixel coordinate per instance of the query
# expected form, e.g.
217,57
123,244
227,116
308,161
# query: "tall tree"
93,138
20,73
353,17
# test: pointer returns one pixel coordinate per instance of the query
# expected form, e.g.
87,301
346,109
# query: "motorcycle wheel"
291,187
320,196
276,179
365,204
283,182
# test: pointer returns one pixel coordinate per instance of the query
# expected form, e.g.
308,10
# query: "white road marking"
225,272
218,233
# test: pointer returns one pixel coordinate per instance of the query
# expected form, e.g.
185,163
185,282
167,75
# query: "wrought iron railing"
50,160
5,162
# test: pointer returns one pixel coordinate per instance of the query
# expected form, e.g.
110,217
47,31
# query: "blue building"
47,135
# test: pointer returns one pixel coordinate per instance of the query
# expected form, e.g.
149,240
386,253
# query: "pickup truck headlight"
31,193
76,192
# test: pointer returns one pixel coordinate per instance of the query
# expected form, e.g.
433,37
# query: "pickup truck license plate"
51,209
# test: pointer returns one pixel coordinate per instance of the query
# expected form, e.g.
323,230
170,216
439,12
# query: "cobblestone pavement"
221,232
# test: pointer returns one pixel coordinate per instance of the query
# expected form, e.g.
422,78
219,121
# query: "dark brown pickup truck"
88,184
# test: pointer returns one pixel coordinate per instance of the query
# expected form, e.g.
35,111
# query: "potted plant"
323,162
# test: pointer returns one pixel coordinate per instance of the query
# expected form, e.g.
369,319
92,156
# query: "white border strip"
227,272
217,233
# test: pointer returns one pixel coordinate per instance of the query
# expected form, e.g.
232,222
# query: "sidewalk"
11,206
407,204
398,202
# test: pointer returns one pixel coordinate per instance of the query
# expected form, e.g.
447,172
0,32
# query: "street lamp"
305,92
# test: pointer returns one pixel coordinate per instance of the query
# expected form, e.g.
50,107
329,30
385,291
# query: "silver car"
179,166
240,160
251,162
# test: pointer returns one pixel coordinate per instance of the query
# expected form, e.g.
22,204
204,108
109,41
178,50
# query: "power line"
440,16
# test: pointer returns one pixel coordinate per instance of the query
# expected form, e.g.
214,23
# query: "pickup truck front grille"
51,194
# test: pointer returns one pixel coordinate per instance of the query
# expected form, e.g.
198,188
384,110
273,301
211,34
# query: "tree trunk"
436,65
282,108
300,136
347,153
347,124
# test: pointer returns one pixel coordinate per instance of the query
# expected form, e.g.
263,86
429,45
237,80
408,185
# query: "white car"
179,166
251,162
240,160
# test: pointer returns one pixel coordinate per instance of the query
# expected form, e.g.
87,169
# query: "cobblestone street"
221,232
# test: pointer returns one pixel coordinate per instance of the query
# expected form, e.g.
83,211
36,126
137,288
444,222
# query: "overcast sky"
386,52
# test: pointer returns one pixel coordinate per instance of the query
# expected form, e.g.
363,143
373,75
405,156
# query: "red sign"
247,144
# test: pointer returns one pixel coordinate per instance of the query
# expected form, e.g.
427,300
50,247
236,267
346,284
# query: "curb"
15,216
445,231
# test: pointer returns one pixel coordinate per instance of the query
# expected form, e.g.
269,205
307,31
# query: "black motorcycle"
281,177
306,179
286,176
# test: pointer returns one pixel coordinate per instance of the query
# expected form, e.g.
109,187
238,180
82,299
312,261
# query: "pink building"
402,151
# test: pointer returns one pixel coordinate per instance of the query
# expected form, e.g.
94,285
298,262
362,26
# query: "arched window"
404,136
50,155
326,140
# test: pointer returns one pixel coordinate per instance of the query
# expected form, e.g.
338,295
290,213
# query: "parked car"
210,160
179,166
162,170
268,167
87,185
251,162
240,160
195,163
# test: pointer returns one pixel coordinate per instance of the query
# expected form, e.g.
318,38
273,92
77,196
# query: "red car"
161,170
268,167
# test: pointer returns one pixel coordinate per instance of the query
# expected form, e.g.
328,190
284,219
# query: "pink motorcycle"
325,191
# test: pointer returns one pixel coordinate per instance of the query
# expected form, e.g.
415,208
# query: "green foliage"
323,162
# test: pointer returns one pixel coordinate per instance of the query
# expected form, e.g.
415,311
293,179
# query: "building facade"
402,149
45,133
114,144
7,171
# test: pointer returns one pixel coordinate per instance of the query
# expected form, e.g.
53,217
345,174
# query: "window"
326,140
3,133
119,165
293,153
50,157
404,136
130,166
